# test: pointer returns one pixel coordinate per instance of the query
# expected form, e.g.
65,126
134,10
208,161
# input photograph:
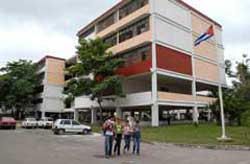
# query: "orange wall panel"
137,68
206,71
173,60
55,71
206,49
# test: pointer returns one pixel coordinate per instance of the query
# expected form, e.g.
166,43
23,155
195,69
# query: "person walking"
118,136
136,138
108,130
127,136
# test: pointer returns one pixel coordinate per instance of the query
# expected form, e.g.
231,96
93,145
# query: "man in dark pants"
108,128
118,138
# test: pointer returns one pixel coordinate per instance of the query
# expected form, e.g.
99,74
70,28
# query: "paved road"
42,147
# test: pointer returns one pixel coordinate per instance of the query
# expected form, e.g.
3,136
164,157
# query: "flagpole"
223,129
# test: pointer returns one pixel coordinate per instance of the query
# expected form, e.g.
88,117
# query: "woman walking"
118,136
136,138
127,136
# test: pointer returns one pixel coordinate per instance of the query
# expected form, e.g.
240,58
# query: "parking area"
38,146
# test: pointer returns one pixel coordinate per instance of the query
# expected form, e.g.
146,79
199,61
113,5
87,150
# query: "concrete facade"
51,95
174,70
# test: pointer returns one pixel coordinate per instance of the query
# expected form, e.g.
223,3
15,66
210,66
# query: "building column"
223,130
76,115
118,112
155,106
195,115
178,117
93,115
155,115
209,115
43,114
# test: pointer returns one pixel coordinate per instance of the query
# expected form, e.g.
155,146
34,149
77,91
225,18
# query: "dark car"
7,122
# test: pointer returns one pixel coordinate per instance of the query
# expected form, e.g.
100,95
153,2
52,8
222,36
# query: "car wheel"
85,131
61,132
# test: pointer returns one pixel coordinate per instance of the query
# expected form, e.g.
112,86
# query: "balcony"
126,20
131,100
133,42
184,99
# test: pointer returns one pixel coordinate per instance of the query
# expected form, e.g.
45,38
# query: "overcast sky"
30,29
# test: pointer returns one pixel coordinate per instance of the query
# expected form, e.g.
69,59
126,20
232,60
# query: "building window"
131,7
106,22
134,30
136,56
88,33
111,40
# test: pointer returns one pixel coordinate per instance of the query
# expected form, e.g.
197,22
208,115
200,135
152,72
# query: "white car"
62,126
46,122
29,123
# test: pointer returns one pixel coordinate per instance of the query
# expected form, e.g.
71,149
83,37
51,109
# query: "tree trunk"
101,109
239,121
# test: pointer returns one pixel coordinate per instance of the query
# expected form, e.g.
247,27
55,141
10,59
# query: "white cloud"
30,29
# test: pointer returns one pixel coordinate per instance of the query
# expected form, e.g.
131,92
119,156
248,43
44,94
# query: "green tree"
96,72
237,98
18,82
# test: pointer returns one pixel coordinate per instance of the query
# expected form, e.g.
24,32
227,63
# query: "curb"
212,147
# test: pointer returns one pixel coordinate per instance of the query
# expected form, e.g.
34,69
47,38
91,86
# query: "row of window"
106,22
129,8
134,30
136,56
128,32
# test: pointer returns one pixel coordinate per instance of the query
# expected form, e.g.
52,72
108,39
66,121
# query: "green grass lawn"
203,134
188,134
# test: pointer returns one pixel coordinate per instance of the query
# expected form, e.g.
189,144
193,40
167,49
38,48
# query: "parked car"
29,123
62,126
46,122
7,122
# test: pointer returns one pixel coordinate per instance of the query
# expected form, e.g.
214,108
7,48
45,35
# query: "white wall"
52,105
52,98
218,36
223,76
136,99
173,11
173,36
53,90
220,53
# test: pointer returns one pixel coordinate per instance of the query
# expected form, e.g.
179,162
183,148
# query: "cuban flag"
205,36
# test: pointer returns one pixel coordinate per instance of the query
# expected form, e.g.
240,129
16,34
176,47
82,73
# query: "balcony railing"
185,98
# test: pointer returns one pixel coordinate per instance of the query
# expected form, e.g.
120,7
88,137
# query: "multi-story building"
50,98
163,69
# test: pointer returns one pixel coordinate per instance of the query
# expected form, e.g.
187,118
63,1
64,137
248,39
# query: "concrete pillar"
155,115
118,112
93,115
60,115
209,115
178,117
195,115
76,115
43,114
